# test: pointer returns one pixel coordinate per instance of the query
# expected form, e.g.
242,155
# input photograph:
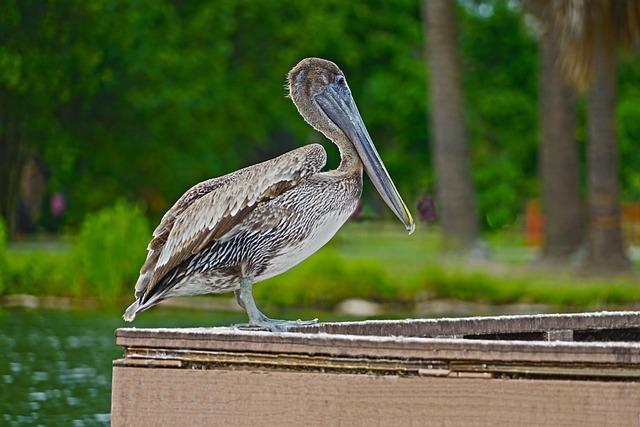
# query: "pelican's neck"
349,159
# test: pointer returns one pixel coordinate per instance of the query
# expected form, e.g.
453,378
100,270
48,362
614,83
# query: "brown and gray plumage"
227,233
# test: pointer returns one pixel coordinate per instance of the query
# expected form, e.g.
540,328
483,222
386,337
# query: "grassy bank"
373,261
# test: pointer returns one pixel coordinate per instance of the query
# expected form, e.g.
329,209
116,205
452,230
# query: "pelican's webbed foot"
275,325
257,320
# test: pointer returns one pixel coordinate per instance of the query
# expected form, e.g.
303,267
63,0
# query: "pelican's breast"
327,205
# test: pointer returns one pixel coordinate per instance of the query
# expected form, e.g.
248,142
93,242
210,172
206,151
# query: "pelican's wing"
212,208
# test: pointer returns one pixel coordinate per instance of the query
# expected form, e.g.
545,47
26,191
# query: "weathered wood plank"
469,326
233,340
197,359
179,397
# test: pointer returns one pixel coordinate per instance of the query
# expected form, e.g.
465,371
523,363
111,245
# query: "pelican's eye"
340,80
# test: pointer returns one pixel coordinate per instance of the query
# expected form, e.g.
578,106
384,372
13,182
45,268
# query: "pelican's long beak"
338,104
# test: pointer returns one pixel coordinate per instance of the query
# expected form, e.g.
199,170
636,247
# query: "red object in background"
631,222
533,223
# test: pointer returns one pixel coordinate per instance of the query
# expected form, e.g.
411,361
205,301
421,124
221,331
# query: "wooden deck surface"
581,369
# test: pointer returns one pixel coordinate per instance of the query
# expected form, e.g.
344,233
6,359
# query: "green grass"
560,289
373,261
387,244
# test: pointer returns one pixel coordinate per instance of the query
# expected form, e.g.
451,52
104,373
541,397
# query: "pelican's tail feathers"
131,311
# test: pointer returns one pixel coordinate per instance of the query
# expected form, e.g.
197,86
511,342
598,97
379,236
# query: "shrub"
110,250
41,273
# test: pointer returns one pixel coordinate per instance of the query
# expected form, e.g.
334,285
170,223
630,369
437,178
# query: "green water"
55,366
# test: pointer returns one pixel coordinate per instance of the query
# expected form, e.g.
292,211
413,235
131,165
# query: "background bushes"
368,261
3,260
110,250
102,264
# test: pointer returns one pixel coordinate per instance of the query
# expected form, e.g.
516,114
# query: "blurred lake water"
55,365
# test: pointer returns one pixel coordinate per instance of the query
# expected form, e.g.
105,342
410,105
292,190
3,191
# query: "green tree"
500,70
44,64
185,91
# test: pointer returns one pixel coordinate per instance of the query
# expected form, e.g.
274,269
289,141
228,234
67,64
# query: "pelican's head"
320,92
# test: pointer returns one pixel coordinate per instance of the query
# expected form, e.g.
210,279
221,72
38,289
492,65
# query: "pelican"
228,233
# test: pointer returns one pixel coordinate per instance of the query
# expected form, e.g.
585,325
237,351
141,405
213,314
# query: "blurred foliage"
103,264
183,91
111,248
628,115
3,257
42,273
501,80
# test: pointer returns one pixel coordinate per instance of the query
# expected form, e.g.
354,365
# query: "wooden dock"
575,369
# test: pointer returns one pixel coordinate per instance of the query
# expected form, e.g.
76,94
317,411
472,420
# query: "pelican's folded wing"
212,208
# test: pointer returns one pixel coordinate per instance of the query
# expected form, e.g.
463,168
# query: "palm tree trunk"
562,207
606,251
452,155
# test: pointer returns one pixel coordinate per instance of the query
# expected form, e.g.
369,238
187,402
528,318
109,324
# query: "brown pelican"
227,233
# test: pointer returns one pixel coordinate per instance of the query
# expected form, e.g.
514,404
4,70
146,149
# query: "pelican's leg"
238,300
244,295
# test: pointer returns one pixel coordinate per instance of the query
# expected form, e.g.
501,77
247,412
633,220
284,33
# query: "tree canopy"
143,99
